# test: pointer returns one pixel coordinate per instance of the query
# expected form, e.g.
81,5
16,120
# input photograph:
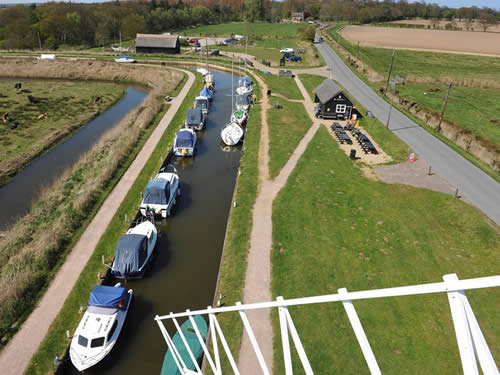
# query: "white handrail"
471,342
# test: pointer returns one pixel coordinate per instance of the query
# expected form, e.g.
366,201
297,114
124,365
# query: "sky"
450,3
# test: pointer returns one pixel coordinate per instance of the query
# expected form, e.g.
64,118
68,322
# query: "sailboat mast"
232,84
206,48
246,53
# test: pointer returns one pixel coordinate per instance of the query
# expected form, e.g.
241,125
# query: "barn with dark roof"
157,43
332,102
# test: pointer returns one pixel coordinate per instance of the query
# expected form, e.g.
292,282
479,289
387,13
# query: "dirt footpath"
487,44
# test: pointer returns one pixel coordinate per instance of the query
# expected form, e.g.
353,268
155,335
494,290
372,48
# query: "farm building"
157,43
332,102
297,17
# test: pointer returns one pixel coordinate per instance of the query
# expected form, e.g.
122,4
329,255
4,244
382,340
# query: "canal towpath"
15,357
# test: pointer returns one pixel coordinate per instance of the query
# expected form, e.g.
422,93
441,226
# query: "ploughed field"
435,40
56,109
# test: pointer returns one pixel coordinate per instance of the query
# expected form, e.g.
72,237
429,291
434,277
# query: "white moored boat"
185,142
240,117
134,251
231,134
125,59
100,326
161,193
244,86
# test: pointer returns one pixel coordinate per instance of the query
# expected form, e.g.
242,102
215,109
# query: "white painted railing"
471,342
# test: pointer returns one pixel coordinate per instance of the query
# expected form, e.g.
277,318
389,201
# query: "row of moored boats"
107,309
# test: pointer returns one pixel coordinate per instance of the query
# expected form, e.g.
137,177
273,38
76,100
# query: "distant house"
297,17
157,43
332,102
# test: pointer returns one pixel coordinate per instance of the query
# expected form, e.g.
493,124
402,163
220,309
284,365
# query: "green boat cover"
169,367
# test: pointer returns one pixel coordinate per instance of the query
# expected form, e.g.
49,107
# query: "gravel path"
15,357
258,275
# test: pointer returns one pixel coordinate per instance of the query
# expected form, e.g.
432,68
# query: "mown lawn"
334,228
68,318
474,109
310,82
281,85
287,126
68,105
426,64
261,29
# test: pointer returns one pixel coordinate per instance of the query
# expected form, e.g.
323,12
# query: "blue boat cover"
106,296
130,254
206,92
194,116
245,81
184,139
157,191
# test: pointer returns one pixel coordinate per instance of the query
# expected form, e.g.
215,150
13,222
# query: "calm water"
184,271
17,196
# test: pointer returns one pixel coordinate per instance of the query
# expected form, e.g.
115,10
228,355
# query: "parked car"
286,50
229,40
295,58
193,40
238,37
197,44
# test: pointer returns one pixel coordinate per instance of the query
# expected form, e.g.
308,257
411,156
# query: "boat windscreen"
157,192
130,254
243,99
201,103
184,139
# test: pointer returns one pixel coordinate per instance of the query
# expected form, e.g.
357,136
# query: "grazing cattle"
13,126
5,117
97,99
32,99
42,116
17,86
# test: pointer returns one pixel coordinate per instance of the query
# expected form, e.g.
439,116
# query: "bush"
308,34
51,43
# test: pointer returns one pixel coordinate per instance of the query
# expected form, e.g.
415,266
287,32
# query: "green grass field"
334,228
55,341
68,105
287,126
470,108
281,85
417,64
310,81
261,29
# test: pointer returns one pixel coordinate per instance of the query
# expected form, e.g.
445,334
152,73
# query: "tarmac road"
474,185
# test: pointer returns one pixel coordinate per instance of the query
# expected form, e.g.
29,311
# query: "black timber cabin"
157,43
332,102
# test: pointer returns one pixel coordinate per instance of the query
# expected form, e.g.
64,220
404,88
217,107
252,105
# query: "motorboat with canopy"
201,102
194,119
240,117
169,366
161,193
100,326
125,59
206,92
185,142
134,251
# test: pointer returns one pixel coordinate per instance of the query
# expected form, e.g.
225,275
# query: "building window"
340,108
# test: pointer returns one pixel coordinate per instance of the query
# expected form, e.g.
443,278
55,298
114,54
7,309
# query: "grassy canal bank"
58,110
33,249
333,228
55,341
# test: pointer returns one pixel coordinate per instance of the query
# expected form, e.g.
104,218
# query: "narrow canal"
184,270
17,196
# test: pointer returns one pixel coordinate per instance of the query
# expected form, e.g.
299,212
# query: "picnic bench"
365,143
341,134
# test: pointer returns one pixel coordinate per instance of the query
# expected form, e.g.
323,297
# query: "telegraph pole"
390,70
438,129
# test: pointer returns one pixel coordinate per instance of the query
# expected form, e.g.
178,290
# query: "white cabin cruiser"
125,59
185,142
202,71
202,103
245,86
231,134
161,193
100,326
134,251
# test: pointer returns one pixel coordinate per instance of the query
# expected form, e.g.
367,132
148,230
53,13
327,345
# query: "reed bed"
35,246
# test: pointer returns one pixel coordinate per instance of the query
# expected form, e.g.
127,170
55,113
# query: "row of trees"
52,24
